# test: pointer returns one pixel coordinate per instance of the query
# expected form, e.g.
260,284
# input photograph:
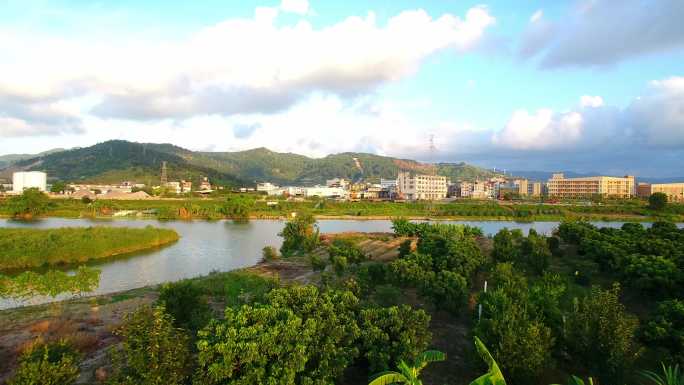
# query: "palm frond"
427,357
494,375
387,378
671,376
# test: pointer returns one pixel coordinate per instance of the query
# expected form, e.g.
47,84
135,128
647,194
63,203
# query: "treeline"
243,206
27,248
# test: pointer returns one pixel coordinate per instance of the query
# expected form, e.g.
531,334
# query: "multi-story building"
28,179
337,182
205,185
267,187
643,190
561,187
674,191
421,187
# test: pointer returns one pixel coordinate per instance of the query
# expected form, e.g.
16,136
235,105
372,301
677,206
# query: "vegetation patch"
27,248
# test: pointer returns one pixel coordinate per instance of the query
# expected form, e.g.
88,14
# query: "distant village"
408,186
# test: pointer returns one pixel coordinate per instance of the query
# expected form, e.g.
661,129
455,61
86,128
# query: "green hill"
118,160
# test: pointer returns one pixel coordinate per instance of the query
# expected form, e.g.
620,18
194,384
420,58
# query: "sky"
585,86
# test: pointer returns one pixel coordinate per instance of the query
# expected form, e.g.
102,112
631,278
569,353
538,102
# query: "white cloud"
600,33
591,101
536,16
300,7
540,130
238,66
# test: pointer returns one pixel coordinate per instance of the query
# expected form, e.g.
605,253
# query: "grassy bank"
27,248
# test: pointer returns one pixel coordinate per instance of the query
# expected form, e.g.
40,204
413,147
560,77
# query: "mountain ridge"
117,160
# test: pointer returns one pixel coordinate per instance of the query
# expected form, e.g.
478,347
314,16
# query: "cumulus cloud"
238,66
591,101
645,135
599,33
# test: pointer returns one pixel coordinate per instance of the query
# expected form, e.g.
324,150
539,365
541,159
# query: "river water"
207,246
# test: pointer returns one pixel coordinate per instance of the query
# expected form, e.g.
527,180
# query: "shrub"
392,334
317,263
404,248
554,246
269,253
339,264
347,249
666,329
387,295
153,351
505,247
49,364
601,334
185,302
446,289
535,253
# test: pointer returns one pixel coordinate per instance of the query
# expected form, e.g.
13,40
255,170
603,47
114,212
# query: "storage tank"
29,179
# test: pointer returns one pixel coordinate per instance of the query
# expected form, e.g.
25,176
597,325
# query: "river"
207,246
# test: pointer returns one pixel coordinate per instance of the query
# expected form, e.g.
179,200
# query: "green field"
27,248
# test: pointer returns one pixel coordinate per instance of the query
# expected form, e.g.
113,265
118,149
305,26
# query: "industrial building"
561,187
28,179
421,187
674,191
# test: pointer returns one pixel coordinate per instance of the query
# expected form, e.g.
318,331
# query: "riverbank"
259,207
24,248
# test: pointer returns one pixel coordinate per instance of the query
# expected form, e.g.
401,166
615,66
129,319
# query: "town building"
421,187
388,183
173,187
186,186
643,190
205,185
325,192
337,182
28,179
267,187
674,191
561,187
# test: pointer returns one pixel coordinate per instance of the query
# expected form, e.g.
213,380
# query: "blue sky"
586,85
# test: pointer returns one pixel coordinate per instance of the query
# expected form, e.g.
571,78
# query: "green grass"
28,248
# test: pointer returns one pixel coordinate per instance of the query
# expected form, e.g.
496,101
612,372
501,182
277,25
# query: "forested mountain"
7,160
118,160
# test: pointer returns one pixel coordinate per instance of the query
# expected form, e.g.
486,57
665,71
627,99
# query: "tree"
657,201
601,334
31,203
535,253
409,375
58,187
505,248
666,329
153,351
47,364
185,302
391,334
300,235
238,207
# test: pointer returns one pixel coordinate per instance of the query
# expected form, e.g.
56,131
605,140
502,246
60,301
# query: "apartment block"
421,187
561,187
674,191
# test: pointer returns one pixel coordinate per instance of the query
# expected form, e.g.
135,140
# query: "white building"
267,187
29,179
325,192
421,187
388,183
